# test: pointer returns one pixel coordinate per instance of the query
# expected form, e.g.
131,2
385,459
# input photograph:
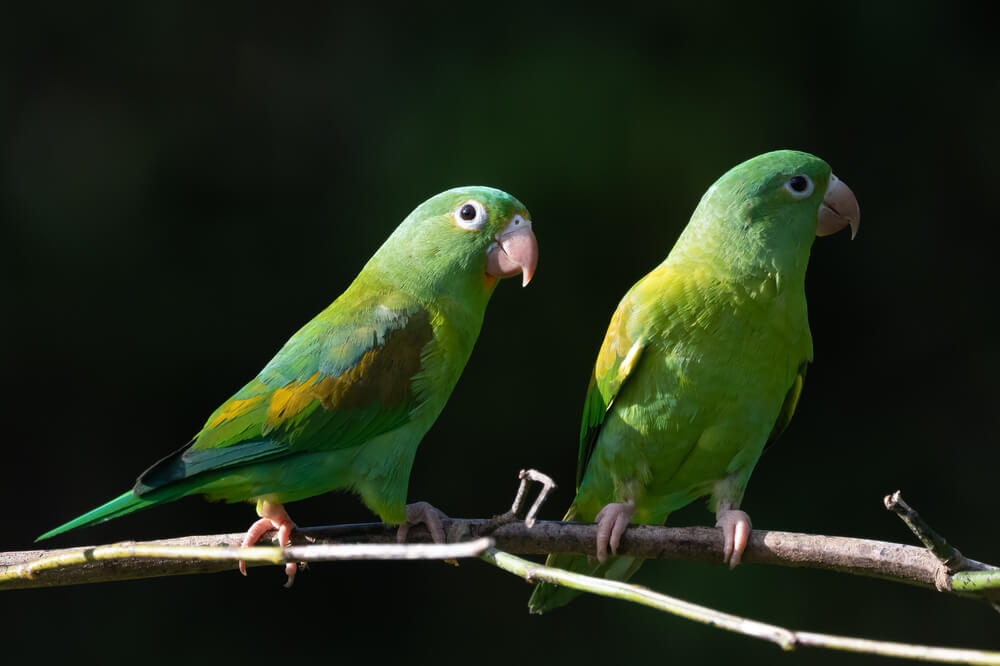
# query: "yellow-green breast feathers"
704,358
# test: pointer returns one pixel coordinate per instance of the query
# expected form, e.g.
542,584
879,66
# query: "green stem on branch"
784,638
976,581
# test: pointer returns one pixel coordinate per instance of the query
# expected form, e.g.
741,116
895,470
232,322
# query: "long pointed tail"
121,505
548,596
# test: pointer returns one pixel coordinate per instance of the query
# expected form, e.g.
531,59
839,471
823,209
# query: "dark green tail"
121,505
548,596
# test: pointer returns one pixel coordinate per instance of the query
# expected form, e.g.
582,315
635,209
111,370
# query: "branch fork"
985,579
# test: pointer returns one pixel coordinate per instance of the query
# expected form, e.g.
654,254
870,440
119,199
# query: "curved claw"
612,521
736,528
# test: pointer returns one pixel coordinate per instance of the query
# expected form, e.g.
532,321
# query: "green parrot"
346,401
703,361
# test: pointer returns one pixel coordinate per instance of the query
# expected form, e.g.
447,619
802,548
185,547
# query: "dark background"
181,188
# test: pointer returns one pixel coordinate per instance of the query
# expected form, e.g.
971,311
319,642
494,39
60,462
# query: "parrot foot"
423,512
611,523
736,528
273,517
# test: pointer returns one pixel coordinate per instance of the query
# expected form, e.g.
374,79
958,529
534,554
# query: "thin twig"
955,572
511,515
548,485
54,569
785,638
950,557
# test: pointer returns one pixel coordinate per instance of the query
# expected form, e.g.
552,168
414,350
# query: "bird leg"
611,523
736,528
422,512
272,517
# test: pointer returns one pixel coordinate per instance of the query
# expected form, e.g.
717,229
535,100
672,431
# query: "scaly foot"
611,523
422,512
272,517
736,528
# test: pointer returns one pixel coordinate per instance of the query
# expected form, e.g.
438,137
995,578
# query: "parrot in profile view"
703,362
346,401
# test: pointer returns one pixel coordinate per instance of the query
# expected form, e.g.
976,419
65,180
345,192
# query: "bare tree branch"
468,538
879,559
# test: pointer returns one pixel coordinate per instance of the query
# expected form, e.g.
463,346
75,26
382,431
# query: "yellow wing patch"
382,376
288,401
235,409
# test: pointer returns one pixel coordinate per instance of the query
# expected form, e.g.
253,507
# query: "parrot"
347,399
703,362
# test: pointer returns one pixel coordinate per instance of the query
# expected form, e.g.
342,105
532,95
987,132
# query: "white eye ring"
799,186
470,215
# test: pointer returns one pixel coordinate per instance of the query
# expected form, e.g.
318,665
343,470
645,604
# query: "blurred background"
182,187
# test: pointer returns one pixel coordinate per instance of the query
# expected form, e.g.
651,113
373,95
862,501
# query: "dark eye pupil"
799,183
468,212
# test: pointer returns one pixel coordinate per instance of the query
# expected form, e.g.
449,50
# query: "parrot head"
765,212
469,236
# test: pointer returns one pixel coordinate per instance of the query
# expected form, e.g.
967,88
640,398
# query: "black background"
183,187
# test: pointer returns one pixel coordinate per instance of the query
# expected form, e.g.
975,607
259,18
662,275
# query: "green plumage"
703,360
346,401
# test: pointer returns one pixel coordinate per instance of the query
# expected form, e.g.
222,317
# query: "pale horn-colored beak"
515,251
838,210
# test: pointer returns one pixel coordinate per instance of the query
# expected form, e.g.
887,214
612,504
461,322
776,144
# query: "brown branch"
863,557
879,559
890,561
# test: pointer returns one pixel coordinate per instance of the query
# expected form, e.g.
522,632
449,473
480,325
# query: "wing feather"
617,360
344,378
788,406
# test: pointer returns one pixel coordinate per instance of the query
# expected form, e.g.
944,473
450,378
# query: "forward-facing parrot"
346,401
703,361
